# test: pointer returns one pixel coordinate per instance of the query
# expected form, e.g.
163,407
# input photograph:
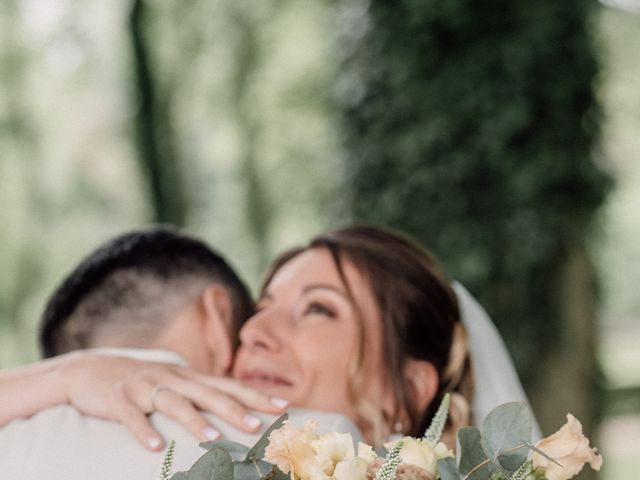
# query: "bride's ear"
423,381
217,320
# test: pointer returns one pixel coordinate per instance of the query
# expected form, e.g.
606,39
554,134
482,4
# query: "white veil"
496,379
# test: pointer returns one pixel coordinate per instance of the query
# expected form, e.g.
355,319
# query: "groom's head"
154,288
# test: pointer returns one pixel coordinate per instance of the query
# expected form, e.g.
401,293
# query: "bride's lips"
262,379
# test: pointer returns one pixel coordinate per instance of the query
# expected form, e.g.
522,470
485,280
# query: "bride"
360,322
363,323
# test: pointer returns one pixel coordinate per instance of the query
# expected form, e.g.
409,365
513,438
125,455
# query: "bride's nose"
262,331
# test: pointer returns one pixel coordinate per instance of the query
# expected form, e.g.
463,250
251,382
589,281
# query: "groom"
153,295
150,288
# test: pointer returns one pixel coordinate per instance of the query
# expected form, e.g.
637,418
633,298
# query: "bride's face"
303,342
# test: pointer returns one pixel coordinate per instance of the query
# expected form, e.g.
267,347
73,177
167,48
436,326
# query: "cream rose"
570,448
309,456
351,469
331,449
423,454
290,448
335,457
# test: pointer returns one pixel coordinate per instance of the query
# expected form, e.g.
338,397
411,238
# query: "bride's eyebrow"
324,286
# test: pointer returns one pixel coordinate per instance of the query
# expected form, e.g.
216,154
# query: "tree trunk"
568,386
159,162
257,202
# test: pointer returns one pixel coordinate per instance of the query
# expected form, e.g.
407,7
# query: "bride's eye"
318,308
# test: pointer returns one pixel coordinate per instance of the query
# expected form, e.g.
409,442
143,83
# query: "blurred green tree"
20,254
472,125
158,158
248,54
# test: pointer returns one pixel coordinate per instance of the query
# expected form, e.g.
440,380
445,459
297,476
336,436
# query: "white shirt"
61,444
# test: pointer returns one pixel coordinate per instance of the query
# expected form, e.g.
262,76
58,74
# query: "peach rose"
570,448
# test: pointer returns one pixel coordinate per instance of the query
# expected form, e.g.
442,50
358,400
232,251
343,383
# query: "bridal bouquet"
502,450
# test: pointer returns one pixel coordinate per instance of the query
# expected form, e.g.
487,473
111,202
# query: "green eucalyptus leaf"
514,459
179,476
237,451
258,449
248,470
470,454
216,464
277,474
447,469
505,432
251,467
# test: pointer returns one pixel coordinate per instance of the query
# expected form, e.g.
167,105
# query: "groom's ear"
423,380
217,317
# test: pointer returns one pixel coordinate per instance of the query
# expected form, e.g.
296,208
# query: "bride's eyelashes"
319,308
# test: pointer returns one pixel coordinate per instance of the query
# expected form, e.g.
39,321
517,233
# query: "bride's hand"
127,390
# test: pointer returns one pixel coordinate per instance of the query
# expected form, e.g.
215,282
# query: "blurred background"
505,135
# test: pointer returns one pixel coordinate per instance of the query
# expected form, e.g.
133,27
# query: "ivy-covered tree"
472,126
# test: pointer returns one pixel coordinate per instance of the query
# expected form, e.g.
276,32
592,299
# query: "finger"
246,396
159,397
142,392
135,420
223,406
185,394
213,399
183,411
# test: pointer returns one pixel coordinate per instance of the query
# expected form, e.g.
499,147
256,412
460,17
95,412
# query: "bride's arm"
121,389
29,389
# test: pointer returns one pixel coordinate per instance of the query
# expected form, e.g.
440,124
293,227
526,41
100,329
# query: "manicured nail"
154,442
251,421
211,433
279,402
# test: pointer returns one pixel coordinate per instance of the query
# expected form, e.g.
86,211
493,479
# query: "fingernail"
211,433
154,442
251,421
279,402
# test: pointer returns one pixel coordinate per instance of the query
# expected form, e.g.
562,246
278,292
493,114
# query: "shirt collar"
143,354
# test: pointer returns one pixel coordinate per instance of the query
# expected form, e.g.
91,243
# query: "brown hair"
419,312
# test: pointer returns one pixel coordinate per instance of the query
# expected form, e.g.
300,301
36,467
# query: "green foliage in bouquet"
388,469
499,451
168,460
434,432
227,460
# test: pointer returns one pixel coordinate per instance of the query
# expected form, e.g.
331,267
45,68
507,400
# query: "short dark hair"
141,278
